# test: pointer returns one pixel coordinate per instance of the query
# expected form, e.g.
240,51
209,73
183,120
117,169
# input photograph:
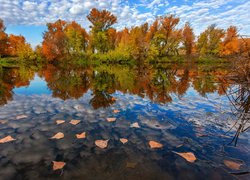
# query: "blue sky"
29,17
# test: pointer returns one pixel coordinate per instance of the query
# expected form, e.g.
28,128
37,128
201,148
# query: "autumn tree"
62,39
209,41
3,39
230,44
76,37
54,40
188,38
18,47
101,22
164,36
138,45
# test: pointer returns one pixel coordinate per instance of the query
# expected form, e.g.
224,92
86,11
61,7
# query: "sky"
29,17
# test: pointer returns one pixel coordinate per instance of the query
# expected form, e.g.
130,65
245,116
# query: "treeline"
162,38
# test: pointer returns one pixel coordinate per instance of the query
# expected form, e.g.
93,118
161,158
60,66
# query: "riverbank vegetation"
162,41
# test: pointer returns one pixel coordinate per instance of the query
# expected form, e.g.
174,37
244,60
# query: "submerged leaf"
3,121
233,164
74,122
21,117
123,140
131,165
59,135
7,139
189,156
135,125
81,136
116,111
58,165
101,143
155,145
111,119
60,122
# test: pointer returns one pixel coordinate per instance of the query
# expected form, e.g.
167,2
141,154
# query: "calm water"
184,107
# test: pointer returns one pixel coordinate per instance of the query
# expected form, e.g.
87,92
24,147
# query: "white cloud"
199,13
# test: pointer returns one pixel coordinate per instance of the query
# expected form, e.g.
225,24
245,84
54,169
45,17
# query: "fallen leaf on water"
135,125
59,135
131,165
189,156
101,143
60,121
58,165
74,122
111,119
21,117
123,140
233,164
81,136
3,121
7,139
116,111
155,145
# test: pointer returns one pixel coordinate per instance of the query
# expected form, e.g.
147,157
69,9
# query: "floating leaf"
101,143
59,135
60,121
21,117
189,156
81,136
155,145
7,139
116,111
123,140
233,164
74,122
58,165
3,121
135,125
131,165
111,119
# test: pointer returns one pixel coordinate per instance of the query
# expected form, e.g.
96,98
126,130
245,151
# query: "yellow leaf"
60,121
155,145
189,156
74,122
7,139
58,165
21,117
116,111
111,119
81,136
59,135
123,140
101,143
233,164
135,125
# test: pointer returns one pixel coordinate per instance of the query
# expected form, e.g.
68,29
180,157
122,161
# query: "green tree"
209,41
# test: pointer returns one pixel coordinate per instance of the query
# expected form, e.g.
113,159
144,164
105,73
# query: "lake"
181,107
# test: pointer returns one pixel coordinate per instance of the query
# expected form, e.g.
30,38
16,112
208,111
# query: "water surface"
184,107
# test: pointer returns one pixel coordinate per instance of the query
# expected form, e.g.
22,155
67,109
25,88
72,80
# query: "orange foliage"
230,45
3,39
101,20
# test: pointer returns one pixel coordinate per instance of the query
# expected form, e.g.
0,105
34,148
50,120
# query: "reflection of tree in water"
11,78
103,87
164,82
239,96
67,82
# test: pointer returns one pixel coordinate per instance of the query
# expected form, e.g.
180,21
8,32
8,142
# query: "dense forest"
161,40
